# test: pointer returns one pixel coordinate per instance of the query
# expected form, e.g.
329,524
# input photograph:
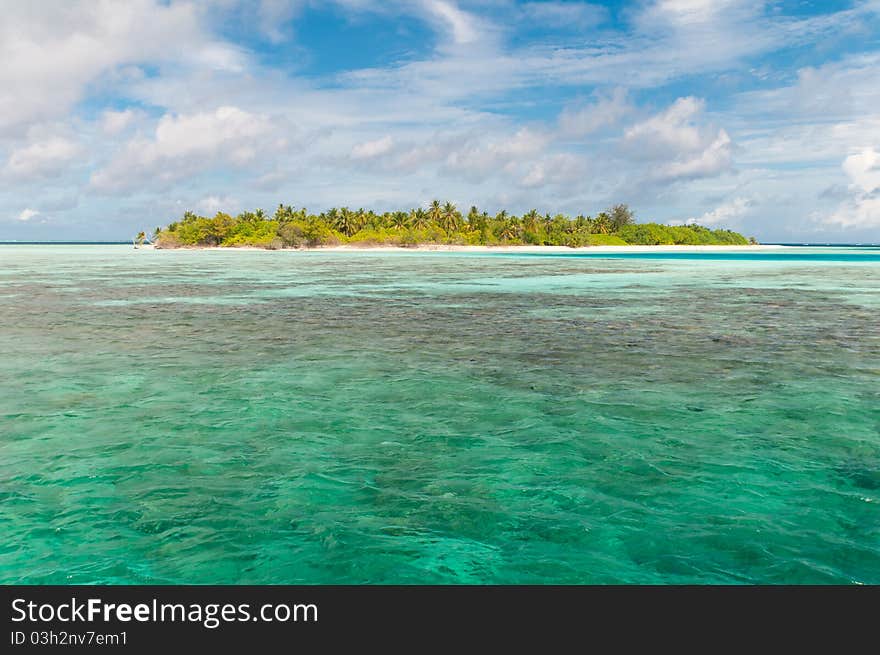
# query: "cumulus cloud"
841,90
114,122
372,149
527,158
480,158
726,214
212,204
28,214
863,168
681,146
607,110
185,145
51,51
862,210
669,131
472,155
41,159
480,111
712,160
557,169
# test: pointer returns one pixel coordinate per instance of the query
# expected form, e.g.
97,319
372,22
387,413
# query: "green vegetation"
438,224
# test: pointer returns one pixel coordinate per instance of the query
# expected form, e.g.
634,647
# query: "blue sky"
759,116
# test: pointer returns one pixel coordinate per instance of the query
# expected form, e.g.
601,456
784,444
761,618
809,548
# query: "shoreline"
489,249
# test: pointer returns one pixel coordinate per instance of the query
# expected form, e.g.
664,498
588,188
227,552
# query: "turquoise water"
288,417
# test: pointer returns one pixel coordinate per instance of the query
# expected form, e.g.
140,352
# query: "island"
439,224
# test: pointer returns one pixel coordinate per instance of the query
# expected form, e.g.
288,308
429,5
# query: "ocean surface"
303,417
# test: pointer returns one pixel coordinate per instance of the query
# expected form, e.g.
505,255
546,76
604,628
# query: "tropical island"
439,224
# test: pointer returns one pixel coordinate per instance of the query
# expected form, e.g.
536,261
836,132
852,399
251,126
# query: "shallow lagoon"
292,417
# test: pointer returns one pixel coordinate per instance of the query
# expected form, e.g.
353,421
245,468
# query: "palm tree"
449,217
419,219
473,218
284,214
371,219
511,230
347,222
400,220
477,221
530,220
260,215
435,211
602,223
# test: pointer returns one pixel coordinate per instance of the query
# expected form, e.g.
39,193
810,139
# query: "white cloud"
457,120
52,50
564,15
670,130
838,91
372,149
863,209
724,215
863,168
274,15
461,25
478,158
681,146
185,145
860,212
698,12
714,159
114,122
212,204
561,168
605,111
28,214
40,159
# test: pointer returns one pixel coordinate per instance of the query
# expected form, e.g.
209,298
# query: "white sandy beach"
510,249
563,249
